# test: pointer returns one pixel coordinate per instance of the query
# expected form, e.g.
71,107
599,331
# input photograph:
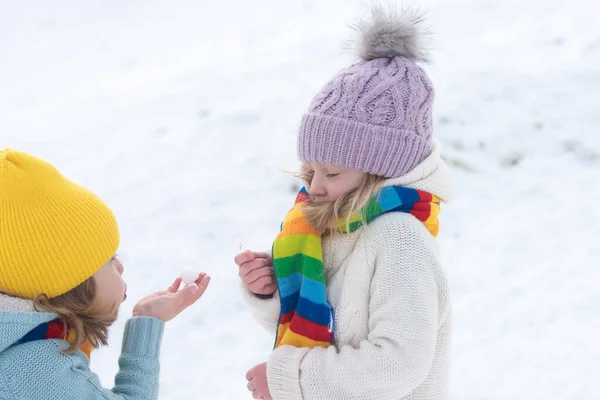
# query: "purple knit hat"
375,116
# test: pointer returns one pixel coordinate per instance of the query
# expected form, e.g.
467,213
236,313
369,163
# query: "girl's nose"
317,190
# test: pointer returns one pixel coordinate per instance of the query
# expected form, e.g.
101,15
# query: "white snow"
182,116
188,275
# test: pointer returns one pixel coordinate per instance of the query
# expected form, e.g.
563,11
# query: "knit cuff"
378,150
283,372
268,305
143,336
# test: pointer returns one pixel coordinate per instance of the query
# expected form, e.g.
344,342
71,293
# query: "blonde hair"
78,311
325,216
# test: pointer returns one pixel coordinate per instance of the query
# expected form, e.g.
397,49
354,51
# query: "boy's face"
328,182
111,290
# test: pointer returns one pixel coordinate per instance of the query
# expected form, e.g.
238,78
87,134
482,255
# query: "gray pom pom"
391,33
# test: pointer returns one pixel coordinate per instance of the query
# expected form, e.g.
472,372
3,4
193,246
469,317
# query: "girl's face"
328,182
111,290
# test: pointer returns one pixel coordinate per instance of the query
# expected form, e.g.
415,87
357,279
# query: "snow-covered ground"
182,116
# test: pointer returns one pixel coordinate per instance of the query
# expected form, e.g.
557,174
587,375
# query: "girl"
61,288
354,288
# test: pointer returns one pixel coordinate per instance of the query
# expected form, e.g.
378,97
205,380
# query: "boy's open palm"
167,304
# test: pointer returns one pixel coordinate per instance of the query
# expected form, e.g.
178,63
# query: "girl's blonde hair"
326,216
78,311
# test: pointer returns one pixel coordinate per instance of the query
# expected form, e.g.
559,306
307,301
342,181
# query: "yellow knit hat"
54,234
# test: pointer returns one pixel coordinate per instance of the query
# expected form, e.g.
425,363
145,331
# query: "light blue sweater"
38,370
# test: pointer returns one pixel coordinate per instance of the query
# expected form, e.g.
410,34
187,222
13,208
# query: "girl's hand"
256,271
257,382
167,304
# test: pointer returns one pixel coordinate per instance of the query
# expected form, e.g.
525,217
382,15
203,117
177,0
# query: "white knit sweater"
392,311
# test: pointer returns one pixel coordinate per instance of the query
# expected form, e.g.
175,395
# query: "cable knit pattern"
375,116
392,307
39,370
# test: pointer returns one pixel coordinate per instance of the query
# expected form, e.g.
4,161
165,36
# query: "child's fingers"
201,276
244,257
261,254
250,374
191,293
260,284
175,286
258,273
249,255
269,288
250,266
202,285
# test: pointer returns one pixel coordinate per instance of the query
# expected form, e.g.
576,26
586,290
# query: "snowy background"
182,114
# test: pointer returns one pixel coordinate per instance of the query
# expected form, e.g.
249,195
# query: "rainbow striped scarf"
307,318
54,329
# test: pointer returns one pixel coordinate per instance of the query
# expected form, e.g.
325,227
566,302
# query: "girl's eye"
332,175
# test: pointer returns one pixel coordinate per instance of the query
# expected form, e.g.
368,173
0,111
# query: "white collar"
431,175
15,304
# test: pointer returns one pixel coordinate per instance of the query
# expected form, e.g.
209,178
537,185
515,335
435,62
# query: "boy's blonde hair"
78,312
326,216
